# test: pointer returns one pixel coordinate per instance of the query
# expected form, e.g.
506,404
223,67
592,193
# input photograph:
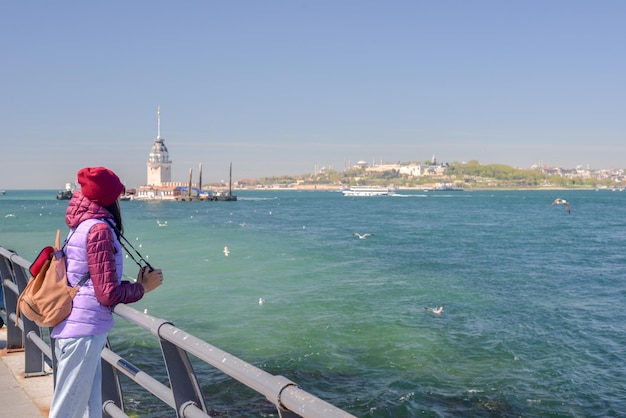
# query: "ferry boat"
67,193
368,191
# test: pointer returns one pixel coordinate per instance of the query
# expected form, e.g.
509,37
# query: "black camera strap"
123,239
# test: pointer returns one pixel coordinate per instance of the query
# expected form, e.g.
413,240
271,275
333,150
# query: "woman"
93,249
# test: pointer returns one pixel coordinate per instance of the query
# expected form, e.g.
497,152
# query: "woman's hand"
150,280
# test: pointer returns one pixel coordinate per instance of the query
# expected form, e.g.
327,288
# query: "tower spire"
159,122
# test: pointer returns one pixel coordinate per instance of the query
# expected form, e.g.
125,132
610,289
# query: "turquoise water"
534,319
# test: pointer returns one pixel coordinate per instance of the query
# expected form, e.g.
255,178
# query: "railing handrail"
183,394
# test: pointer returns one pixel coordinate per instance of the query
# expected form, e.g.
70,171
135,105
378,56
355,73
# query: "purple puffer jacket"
93,248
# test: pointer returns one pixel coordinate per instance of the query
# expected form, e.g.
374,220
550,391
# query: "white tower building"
159,164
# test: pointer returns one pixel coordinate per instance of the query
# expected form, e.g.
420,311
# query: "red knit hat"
100,185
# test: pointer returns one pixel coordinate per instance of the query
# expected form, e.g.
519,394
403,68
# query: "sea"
534,298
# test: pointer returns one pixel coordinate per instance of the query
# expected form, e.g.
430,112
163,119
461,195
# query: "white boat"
67,193
444,187
368,191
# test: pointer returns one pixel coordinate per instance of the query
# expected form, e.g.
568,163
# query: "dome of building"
159,152
159,146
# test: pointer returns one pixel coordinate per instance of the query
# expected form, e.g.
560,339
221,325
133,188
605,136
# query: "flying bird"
559,201
356,234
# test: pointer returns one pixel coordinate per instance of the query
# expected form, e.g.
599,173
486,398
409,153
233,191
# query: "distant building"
410,170
159,164
159,183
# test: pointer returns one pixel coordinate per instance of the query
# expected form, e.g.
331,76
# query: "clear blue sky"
277,87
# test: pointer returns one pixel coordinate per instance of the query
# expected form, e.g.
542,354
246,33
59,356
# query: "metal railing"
183,394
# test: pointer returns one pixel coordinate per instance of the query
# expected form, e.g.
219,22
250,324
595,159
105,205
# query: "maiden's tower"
159,164
159,183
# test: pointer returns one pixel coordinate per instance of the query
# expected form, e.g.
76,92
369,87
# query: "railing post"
11,274
283,413
183,381
111,388
34,359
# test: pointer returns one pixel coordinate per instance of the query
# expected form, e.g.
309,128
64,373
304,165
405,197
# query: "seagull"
356,234
559,201
261,301
436,311
226,251
161,223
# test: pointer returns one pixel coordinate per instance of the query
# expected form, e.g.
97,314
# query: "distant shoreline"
331,188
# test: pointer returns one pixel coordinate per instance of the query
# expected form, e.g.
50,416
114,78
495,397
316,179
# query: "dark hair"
114,209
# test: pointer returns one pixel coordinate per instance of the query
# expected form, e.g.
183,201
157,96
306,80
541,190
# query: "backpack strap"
83,280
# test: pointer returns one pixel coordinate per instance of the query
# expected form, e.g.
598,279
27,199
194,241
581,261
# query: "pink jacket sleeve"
102,269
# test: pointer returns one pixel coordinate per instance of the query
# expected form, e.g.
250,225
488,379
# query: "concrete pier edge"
21,396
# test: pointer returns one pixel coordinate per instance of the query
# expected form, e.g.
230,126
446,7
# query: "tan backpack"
47,299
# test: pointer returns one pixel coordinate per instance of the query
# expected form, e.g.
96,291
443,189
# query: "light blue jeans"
78,390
